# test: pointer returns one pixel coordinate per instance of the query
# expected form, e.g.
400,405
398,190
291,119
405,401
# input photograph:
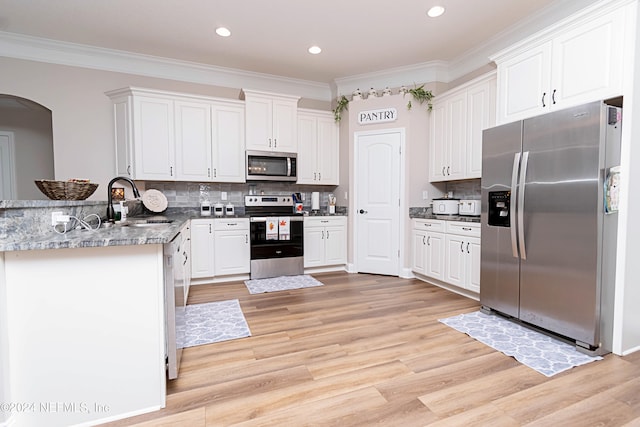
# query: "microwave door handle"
512,205
523,178
288,166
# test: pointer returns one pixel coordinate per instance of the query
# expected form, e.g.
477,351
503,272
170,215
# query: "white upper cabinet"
178,137
270,122
580,60
458,118
318,145
193,141
153,133
228,142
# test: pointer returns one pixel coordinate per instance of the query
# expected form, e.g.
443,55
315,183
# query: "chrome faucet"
111,215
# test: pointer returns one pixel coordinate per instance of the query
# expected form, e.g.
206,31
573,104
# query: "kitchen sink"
140,222
150,223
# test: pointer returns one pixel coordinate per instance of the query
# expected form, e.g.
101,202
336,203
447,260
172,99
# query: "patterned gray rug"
214,322
282,283
538,351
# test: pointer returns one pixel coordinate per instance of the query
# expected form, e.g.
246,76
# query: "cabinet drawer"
231,224
464,228
429,225
324,221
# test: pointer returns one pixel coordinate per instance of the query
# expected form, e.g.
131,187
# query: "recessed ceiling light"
314,50
223,32
435,11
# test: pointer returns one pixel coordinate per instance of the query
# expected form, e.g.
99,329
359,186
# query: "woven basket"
66,190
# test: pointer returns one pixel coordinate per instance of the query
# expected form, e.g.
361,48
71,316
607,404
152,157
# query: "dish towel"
272,228
284,229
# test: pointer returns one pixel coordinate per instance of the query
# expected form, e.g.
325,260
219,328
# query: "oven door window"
261,248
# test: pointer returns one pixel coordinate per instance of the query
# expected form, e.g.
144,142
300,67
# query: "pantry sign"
377,116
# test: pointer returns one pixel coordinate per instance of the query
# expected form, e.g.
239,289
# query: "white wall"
627,312
33,148
416,168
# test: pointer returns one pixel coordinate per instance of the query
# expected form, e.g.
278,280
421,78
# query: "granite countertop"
445,217
116,235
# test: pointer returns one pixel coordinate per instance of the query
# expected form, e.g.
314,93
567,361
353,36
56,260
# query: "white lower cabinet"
219,247
232,249
202,248
325,241
185,246
448,251
428,248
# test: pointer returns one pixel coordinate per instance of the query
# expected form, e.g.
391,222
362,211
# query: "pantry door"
377,206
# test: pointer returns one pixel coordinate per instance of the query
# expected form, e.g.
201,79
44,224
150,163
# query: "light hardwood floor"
368,350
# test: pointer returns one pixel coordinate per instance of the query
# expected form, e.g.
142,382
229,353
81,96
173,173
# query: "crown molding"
30,48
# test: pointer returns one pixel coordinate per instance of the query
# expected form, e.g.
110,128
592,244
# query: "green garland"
342,105
419,94
422,96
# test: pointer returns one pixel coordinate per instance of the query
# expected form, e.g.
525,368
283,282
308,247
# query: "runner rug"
281,283
214,322
538,351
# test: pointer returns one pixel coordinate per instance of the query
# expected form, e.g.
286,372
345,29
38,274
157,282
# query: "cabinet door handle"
323,234
275,142
462,247
269,142
448,170
467,247
543,95
429,241
208,172
443,171
327,234
314,176
128,169
171,170
553,97
319,176
215,172
209,228
466,228
423,242
246,238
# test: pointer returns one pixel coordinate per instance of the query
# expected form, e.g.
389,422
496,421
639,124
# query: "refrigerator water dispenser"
499,204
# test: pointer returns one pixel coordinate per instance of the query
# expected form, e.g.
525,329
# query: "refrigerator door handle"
523,178
512,205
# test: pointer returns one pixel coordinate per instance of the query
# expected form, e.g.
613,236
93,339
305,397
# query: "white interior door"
378,202
7,171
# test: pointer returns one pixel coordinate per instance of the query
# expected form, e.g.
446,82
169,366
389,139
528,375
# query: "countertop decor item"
74,189
421,95
342,105
154,200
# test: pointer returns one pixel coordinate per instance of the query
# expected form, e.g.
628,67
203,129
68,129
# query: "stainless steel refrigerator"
549,222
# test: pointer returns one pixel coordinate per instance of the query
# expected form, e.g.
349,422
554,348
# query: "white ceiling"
358,37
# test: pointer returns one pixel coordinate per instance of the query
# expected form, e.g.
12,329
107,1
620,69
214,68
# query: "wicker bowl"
66,190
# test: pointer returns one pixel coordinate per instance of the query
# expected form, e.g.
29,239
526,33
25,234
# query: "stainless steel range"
277,246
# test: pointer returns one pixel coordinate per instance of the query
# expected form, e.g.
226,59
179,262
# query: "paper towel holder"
315,201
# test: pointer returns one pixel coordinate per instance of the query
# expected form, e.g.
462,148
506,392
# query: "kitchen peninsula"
83,316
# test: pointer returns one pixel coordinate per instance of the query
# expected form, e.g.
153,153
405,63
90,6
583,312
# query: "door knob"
362,211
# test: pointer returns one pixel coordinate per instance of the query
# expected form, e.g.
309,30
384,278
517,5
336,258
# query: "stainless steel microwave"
271,166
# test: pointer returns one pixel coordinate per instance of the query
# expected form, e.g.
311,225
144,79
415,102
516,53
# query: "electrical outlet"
425,195
223,195
345,195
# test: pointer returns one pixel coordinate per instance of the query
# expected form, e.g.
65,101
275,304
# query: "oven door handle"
264,218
